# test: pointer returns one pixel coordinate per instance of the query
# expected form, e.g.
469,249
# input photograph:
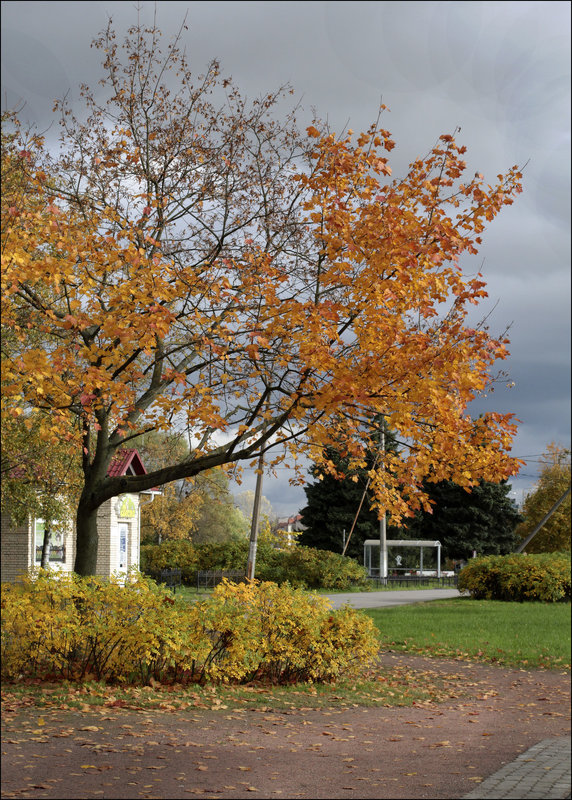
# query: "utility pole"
254,524
382,521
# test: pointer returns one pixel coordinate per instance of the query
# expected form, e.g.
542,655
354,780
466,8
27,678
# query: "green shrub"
180,554
232,554
307,567
75,628
518,576
302,567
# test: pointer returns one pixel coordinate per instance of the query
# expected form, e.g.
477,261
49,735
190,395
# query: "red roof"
123,460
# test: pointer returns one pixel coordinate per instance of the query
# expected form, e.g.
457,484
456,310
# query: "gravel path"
444,750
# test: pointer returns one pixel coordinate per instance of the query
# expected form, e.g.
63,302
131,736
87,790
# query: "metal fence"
209,578
172,578
396,581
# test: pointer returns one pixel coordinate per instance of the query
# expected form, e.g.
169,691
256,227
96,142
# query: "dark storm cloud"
500,71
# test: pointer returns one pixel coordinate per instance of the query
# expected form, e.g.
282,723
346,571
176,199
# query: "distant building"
288,527
291,524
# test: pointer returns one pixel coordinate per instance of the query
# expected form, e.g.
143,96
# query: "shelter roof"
404,543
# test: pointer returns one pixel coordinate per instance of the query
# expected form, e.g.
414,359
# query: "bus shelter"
371,555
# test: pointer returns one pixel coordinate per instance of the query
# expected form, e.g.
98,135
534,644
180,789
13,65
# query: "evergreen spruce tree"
483,520
332,506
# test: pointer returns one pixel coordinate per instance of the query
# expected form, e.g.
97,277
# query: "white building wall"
69,540
123,510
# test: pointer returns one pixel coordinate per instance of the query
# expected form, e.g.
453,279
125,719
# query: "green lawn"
527,635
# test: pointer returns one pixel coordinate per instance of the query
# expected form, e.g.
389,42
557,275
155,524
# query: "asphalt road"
386,599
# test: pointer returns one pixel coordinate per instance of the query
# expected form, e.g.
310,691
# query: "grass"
374,586
190,592
525,635
393,687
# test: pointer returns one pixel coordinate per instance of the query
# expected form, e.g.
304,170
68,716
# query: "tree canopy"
194,261
333,501
483,520
554,536
199,509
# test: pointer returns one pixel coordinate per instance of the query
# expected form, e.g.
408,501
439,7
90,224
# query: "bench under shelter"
371,554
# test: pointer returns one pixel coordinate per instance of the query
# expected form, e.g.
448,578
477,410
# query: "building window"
57,543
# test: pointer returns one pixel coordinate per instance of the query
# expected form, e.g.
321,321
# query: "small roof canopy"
126,462
404,543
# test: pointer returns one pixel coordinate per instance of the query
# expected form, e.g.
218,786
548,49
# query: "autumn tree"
244,501
554,536
171,514
41,477
195,262
199,509
39,459
219,519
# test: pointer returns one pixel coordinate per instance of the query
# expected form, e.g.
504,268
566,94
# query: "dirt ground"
434,751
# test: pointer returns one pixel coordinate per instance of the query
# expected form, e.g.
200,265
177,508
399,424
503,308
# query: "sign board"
126,507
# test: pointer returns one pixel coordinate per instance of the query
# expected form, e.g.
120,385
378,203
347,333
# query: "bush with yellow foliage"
130,630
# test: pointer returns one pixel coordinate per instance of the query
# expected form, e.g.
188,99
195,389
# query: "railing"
209,578
170,577
416,580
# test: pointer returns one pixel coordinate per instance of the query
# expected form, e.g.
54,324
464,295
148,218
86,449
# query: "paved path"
307,753
392,598
543,772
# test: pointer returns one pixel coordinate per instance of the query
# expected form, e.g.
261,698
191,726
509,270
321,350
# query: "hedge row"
74,628
519,576
302,567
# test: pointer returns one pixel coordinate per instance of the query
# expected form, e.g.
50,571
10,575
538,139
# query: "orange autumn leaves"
255,284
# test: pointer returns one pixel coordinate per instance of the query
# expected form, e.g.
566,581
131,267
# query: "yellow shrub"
266,631
117,630
40,625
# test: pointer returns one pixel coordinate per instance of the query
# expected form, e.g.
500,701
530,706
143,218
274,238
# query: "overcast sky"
498,70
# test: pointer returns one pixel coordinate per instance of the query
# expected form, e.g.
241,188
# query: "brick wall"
18,543
104,544
15,552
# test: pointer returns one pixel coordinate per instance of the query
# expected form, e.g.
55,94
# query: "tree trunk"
46,545
86,540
